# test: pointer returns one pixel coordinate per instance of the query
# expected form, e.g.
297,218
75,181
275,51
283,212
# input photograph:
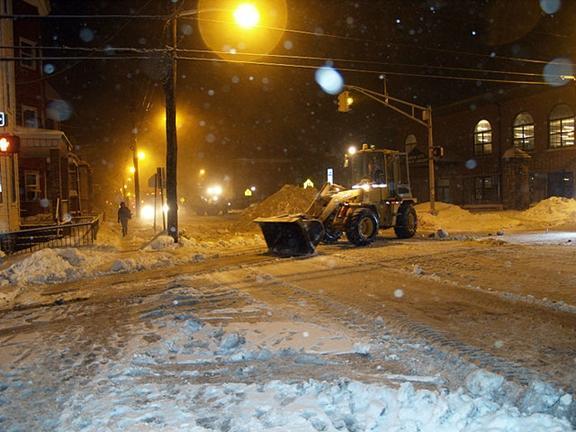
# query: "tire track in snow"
449,349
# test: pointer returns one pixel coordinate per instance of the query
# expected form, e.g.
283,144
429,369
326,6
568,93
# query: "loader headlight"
365,186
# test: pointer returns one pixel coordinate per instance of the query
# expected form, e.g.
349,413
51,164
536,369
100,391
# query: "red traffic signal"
9,144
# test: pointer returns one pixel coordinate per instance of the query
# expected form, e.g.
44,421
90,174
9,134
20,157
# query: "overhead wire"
70,67
287,56
293,31
296,66
367,71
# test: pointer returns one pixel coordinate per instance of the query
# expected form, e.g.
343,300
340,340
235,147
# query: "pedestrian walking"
124,214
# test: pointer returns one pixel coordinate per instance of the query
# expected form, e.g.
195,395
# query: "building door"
443,190
561,184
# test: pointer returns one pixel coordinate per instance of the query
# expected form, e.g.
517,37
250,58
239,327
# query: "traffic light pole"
171,135
410,110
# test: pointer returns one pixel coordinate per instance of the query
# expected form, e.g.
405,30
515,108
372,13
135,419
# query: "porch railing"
53,236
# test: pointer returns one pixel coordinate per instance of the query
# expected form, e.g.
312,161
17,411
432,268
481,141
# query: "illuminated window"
483,138
524,131
31,185
561,126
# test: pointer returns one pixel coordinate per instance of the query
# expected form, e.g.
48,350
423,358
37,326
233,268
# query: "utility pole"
171,133
431,173
135,164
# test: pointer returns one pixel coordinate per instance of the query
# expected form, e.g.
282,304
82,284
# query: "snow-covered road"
411,335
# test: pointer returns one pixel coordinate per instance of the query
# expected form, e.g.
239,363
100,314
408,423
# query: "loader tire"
406,221
362,228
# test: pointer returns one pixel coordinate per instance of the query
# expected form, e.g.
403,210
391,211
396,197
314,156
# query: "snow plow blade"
288,236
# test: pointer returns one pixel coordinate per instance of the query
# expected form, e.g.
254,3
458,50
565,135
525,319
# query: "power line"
294,31
367,71
293,57
72,66
380,42
297,66
120,16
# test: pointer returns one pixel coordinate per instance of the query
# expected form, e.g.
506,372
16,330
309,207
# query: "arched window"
524,131
483,138
410,143
561,126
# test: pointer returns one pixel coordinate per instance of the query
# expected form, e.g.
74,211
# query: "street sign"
330,175
3,119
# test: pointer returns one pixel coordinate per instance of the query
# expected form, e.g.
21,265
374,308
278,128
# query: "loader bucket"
288,236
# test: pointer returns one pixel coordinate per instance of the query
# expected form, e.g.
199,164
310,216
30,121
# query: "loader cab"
379,169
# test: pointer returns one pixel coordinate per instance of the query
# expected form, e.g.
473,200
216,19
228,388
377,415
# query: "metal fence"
54,236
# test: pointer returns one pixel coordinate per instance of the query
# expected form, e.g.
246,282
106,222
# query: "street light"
245,15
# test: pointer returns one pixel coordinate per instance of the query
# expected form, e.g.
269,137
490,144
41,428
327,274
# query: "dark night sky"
232,111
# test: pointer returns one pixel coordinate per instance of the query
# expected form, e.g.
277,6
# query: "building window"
483,138
28,54
487,189
32,189
29,117
524,131
561,126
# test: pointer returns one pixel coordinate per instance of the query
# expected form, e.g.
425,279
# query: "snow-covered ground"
207,355
139,334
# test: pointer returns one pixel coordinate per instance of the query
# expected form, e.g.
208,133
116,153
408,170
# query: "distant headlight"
147,212
214,190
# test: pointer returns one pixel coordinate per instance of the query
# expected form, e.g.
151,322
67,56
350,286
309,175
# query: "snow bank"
161,242
450,217
306,406
551,212
48,265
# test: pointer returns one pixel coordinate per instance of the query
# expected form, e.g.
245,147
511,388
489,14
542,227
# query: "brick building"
490,138
45,180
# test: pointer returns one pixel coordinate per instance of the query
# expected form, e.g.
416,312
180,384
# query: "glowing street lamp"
141,155
247,16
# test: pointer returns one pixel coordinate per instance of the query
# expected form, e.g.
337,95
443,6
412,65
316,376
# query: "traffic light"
437,152
344,101
9,144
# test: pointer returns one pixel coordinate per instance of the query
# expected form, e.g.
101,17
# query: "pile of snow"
552,211
48,265
288,200
161,242
308,406
450,218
